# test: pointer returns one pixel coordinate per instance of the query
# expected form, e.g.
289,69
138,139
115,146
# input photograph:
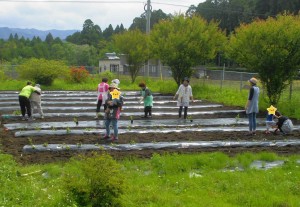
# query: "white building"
111,63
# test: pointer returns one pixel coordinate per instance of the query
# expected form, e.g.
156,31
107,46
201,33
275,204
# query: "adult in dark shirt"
281,120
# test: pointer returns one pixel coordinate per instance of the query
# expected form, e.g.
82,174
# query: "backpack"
287,126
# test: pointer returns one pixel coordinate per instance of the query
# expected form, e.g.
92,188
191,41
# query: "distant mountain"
30,33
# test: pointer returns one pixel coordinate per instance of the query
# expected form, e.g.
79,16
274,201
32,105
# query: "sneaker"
106,137
96,117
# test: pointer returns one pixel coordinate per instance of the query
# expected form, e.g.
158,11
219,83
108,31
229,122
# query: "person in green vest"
24,100
148,100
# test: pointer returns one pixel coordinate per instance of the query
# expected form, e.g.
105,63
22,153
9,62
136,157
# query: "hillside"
30,33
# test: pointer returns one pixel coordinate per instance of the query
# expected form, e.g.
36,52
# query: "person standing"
102,95
184,94
24,100
114,104
148,100
35,100
251,106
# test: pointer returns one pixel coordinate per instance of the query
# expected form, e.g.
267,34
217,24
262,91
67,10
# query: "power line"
132,2
72,1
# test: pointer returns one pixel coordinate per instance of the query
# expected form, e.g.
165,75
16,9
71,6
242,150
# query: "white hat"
116,81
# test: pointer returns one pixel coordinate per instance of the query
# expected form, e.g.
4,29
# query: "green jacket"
27,91
148,98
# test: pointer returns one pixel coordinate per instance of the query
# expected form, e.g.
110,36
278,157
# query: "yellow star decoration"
115,94
271,110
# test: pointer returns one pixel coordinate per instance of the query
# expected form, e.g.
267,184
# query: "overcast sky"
64,15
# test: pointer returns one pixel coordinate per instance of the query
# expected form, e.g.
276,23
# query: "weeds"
16,113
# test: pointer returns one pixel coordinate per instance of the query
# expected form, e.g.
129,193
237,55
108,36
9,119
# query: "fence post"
223,76
291,90
241,81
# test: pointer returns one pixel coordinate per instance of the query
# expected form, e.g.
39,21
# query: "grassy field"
169,180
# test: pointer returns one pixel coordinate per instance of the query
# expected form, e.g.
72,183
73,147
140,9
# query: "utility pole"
148,16
148,9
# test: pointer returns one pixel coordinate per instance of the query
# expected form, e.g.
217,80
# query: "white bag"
287,126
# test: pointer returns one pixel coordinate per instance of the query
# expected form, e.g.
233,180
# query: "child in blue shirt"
270,123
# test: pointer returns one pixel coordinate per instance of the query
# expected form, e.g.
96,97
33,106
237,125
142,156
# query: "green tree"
185,42
90,33
42,71
108,32
271,48
49,39
133,44
156,16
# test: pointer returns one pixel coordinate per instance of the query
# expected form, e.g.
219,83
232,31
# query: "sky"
69,14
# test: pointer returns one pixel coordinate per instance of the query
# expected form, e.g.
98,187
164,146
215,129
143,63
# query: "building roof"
112,56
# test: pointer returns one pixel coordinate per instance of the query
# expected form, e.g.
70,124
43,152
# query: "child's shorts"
270,124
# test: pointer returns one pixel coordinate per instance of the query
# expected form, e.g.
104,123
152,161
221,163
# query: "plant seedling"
75,119
38,128
30,141
132,142
237,118
131,119
53,128
79,145
68,130
45,144
190,118
17,112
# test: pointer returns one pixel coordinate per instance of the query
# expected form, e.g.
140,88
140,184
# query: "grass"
165,180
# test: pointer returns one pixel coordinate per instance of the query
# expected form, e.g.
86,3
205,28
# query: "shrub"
2,75
107,74
78,75
94,181
42,71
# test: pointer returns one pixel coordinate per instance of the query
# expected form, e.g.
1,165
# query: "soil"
14,146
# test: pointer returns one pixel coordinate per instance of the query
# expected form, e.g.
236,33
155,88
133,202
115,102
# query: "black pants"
185,112
99,103
25,105
148,110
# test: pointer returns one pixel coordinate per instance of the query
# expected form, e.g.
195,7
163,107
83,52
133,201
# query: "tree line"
89,45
